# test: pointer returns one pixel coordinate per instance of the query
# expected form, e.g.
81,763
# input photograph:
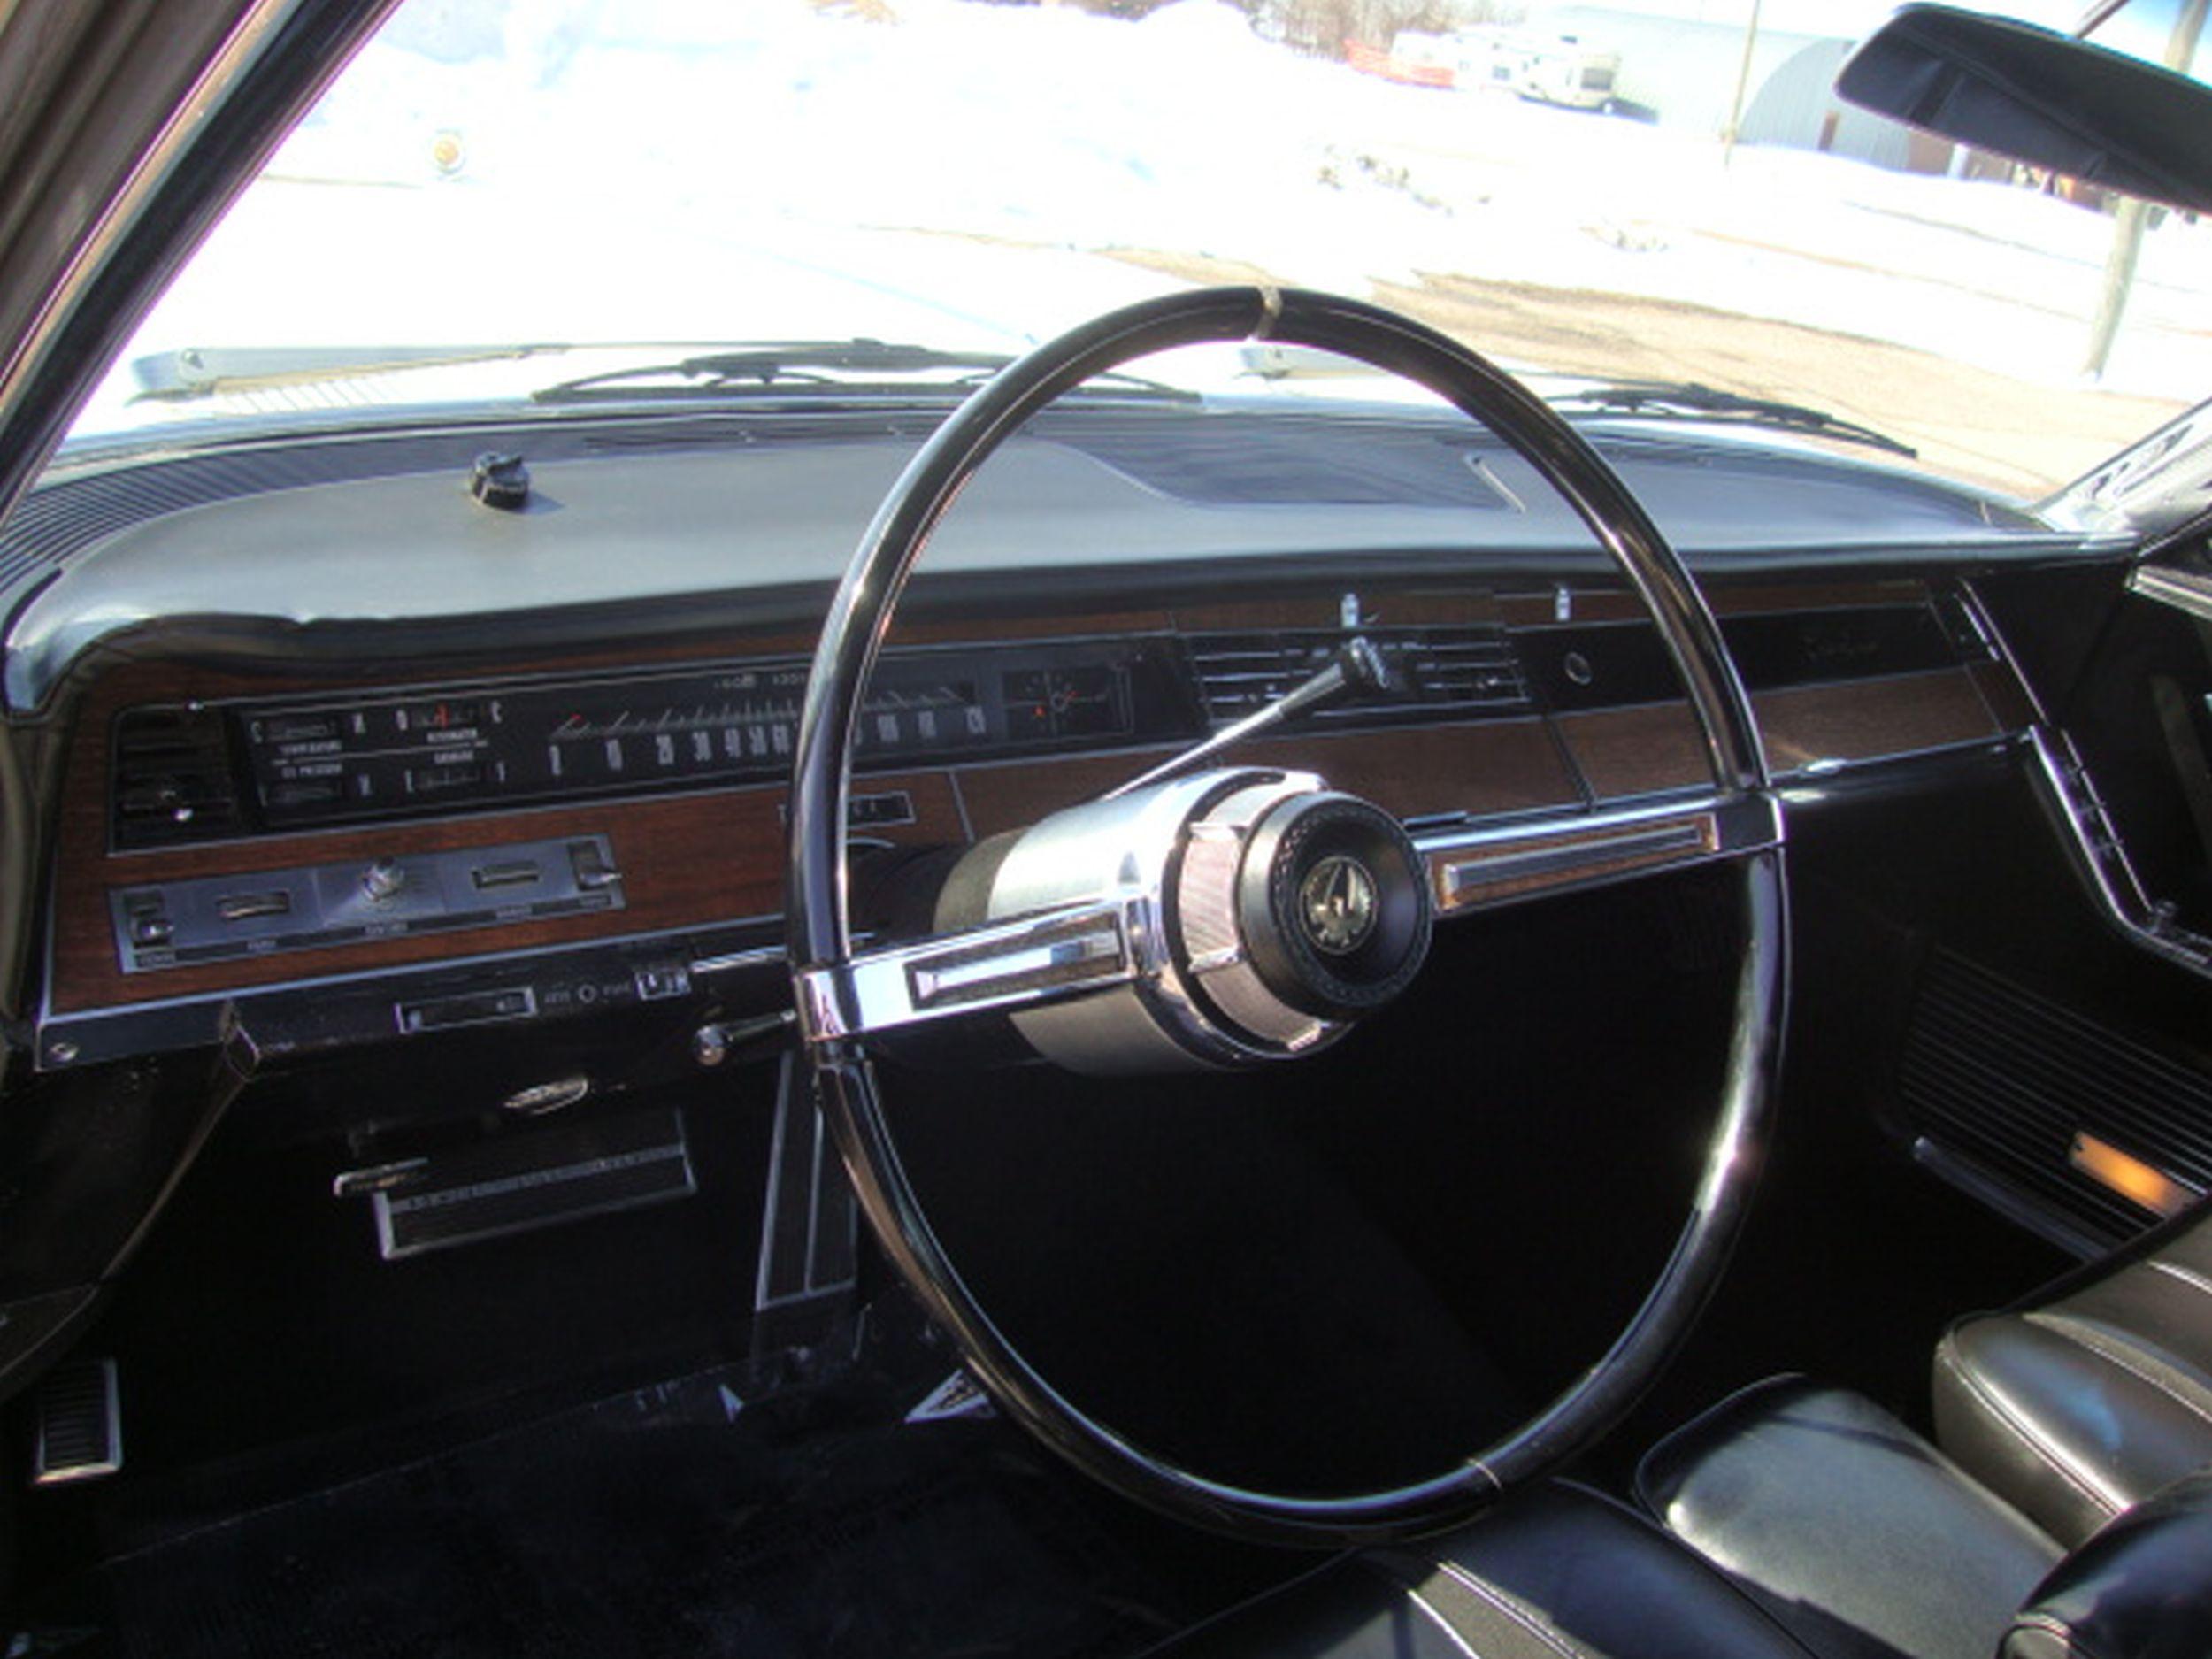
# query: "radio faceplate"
214,919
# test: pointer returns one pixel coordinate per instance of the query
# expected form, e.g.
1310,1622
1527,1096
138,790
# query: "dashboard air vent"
1433,670
172,779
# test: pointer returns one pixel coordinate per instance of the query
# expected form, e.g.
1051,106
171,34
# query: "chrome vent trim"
173,780
1466,666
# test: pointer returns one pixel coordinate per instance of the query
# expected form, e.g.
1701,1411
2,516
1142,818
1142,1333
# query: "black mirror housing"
2039,97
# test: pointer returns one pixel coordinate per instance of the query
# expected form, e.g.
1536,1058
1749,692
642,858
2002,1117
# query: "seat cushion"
1558,1572
2094,1396
1856,1533
2139,1589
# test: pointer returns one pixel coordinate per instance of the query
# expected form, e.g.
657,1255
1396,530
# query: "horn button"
1333,905
1298,911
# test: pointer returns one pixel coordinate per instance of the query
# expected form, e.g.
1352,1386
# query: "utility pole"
2134,214
1743,83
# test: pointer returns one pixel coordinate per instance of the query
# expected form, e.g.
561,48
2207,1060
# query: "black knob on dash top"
1333,902
500,480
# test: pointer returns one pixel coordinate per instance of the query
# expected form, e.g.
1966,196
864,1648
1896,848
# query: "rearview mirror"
2039,97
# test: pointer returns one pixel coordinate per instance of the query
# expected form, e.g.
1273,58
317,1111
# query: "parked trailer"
1562,69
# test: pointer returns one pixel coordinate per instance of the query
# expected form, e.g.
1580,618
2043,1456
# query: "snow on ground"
761,170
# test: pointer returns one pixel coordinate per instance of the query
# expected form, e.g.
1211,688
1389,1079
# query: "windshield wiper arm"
801,363
204,371
1665,399
859,366
809,367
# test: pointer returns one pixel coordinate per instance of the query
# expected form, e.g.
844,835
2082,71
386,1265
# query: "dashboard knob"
383,880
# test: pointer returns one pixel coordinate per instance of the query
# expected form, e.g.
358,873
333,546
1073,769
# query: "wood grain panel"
172,680
1592,601
1866,719
1753,598
694,859
960,630
688,861
1388,607
1610,601
1476,767
1635,751
2009,702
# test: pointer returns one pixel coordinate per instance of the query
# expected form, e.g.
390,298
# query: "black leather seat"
1559,1572
1849,1527
1868,1543
2094,1392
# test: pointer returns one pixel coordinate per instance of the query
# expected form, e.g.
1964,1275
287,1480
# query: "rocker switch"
588,863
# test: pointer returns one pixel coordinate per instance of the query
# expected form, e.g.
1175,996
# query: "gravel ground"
2025,437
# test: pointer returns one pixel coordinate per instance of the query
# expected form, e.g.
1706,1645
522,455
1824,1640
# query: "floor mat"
679,1520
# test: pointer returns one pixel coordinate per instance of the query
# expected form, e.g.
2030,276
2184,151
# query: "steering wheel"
1240,917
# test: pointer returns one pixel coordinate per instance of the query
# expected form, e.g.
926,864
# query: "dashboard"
335,757
401,819
325,862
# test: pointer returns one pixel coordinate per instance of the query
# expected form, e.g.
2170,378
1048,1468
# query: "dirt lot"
2021,437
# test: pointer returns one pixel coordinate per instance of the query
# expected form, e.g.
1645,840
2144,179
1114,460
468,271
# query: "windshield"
504,199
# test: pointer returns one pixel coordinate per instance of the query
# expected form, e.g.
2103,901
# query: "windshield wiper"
1662,400
856,366
835,366
204,371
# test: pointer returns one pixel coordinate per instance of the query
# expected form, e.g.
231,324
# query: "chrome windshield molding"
1002,965
1484,868
2102,860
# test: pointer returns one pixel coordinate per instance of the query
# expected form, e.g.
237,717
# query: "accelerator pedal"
80,1418
519,1183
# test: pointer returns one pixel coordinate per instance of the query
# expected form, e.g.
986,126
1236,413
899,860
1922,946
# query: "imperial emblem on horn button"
1337,904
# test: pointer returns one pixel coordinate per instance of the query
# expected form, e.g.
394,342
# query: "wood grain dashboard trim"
1622,752
715,856
698,859
686,861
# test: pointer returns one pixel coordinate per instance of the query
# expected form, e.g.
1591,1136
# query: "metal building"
1682,73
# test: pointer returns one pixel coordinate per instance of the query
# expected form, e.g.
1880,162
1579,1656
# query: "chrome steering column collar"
1228,918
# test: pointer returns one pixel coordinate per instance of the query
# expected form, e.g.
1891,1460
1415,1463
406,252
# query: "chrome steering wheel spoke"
995,969
1485,867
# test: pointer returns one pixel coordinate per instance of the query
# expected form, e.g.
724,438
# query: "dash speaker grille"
2005,1078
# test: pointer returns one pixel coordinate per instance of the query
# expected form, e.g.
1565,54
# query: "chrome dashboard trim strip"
2102,860
2177,589
63,1029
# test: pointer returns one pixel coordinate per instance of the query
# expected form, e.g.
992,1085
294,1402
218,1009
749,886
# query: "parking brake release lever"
1357,666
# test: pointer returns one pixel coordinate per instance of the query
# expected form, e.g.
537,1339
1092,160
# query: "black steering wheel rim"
819,936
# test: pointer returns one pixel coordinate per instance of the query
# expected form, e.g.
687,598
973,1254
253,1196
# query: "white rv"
1549,68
